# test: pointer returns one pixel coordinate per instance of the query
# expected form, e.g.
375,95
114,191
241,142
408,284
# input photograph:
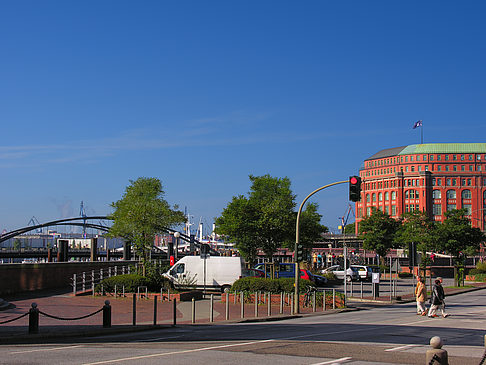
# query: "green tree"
142,213
417,227
17,245
265,219
378,233
310,229
458,238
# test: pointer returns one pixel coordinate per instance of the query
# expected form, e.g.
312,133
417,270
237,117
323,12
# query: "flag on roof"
418,123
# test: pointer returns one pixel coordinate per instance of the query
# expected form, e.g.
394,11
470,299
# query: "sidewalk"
69,307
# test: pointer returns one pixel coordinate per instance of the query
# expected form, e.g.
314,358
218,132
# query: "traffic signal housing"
354,188
300,253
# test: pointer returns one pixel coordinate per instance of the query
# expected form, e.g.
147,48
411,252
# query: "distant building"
433,178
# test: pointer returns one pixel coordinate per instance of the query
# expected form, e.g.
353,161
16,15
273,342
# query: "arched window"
374,197
451,194
436,194
367,198
407,194
394,195
380,197
466,194
387,196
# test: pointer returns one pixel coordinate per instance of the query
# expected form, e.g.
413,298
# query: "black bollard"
174,312
34,319
107,314
134,309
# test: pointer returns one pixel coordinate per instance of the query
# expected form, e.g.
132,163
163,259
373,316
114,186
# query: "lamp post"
296,263
175,247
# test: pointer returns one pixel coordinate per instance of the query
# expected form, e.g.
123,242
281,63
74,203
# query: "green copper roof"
444,148
431,148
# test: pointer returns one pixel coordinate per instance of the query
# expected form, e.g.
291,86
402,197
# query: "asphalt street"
380,335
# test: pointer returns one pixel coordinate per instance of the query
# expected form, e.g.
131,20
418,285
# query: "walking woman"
421,296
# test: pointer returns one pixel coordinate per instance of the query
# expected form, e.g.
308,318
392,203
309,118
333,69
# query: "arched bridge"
88,222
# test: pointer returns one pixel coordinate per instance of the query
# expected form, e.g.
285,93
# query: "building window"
454,168
436,194
462,157
387,209
412,168
448,182
471,168
463,168
374,197
468,208
446,157
439,182
393,210
394,195
439,157
454,157
411,158
431,158
367,198
466,194
387,196
439,168
425,157
478,157
451,207
437,209
368,211
433,181
453,182
447,167
468,182
470,157
380,197
451,194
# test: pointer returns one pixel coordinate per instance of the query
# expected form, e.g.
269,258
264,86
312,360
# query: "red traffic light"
353,180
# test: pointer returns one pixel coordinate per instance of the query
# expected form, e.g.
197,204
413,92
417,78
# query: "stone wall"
17,278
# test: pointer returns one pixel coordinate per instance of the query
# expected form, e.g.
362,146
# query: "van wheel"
225,288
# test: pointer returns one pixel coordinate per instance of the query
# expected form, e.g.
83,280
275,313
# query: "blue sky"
201,94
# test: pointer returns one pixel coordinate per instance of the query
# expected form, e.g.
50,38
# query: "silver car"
351,273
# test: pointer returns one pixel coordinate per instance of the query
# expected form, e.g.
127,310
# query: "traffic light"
354,188
300,253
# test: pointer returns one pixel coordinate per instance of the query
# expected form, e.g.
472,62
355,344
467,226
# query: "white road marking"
157,339
175,352
337,361
402,347
49,349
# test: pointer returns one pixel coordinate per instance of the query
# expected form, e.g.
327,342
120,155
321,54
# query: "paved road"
381,335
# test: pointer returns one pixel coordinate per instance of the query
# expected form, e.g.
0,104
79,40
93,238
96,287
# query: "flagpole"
422,134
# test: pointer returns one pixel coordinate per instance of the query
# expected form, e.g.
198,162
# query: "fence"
87,281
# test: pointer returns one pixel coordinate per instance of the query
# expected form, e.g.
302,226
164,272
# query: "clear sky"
200,94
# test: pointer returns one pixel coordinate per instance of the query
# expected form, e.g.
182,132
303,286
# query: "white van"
214,272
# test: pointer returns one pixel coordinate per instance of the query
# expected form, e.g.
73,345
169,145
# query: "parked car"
286,270
365,272
351,273
254,273
319,280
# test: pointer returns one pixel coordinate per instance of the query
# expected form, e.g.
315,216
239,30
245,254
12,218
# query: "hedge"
251,284
131,282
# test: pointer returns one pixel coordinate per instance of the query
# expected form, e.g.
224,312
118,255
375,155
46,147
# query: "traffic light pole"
296,262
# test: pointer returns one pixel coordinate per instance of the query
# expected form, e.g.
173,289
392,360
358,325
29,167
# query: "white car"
351,273
365,272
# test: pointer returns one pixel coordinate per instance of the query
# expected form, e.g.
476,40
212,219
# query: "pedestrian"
421,296
437,299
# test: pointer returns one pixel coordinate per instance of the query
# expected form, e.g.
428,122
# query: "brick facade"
428,177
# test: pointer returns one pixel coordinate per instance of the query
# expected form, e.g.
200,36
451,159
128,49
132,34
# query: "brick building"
433,178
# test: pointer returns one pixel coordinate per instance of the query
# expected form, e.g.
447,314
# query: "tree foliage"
378,232
417,227
142,213
265,219
456,235
310,228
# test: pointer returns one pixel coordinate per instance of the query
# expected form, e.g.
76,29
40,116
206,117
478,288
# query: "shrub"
404,275
251,284
481,267
131,282
330,276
